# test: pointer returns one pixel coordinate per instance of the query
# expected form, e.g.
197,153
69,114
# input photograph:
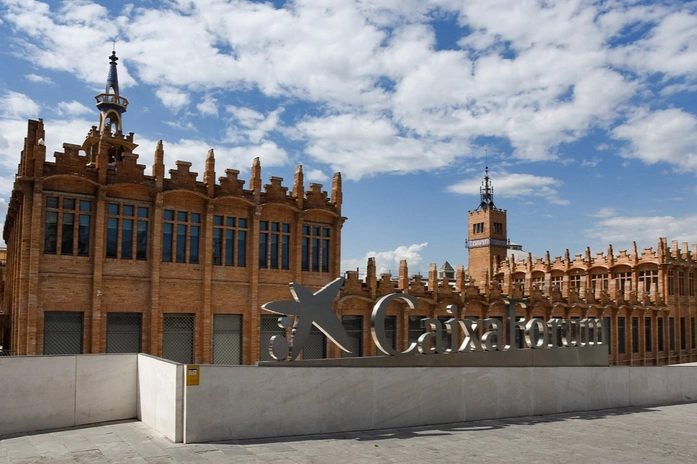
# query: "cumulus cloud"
388,261
38,79
17,105
73,108
386,95
660,136
515,185
645,230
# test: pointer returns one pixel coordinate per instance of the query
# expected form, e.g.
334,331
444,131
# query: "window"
354,330
683,334
269,329
478,228
127,231
681,283
671,332
607,334
599,282
693,333
175,231
575,282
415,329
671,282
498,228
178,337
691,283
123,332
274,245
315,248
229,241
63,332
316,345
227,339
67,224
621,335
623,282
647,333
557,282
660,334
635,335
649,280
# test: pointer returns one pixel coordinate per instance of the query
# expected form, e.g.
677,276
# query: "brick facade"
91,233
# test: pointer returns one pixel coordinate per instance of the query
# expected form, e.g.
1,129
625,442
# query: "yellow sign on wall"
192,375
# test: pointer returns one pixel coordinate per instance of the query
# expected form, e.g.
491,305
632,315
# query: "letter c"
377,323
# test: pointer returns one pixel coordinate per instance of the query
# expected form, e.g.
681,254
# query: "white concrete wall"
160,395
234,402
47,392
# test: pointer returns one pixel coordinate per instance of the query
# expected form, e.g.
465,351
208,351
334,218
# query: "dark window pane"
306,254
168,215
217,246
67,233
142,240
85,205
285,252
127,238
229,247
243,223
112,231
128,210
113,208
196,218
315,254
142,212
181,243
51,232
241,248
68,203
230,222
217,220
182,216
286,228
274,251
167,243
194,244
263,249
83,236
52,202
325,255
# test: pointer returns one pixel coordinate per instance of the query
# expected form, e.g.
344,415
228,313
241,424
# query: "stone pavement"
665,434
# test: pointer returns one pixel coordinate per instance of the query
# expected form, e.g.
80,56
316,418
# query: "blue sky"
585,110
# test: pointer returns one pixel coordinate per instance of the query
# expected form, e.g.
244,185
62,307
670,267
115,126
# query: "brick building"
646,299
105,258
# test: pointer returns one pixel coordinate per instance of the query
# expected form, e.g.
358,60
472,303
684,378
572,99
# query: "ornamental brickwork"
104,257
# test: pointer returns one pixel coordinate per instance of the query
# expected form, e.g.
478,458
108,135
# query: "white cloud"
172,98
73,108
514,185
251,125
17,105
316,175
644,229
666,135
535,76
388,261
38,79
208,106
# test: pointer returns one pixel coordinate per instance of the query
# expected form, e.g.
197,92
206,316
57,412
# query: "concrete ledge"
558,357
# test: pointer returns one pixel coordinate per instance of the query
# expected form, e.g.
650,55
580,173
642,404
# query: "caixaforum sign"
476,334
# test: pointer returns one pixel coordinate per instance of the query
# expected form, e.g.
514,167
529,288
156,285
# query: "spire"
111,105
486,192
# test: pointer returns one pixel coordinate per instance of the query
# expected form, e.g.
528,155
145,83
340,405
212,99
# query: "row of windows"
660,332
63,332
68,224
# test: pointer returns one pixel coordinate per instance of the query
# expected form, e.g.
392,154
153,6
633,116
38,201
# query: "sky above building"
584,111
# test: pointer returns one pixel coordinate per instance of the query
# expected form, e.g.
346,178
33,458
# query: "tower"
105,144
487,237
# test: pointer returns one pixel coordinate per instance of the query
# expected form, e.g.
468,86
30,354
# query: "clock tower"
487,236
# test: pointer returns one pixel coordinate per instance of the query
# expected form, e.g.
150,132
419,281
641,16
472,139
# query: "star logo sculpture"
309,308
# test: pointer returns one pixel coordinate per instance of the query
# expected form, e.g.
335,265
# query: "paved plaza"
665,434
